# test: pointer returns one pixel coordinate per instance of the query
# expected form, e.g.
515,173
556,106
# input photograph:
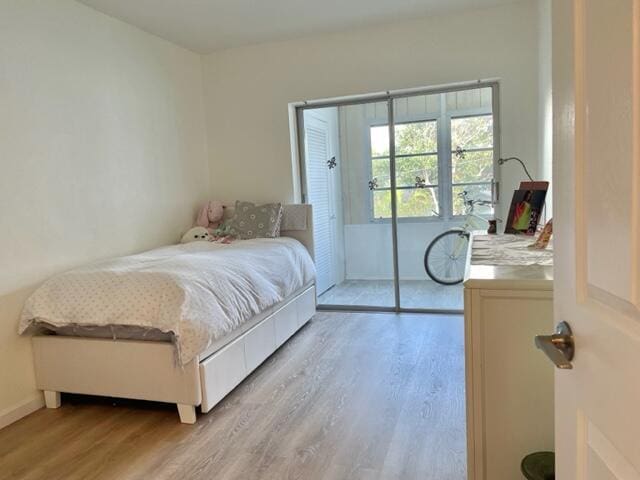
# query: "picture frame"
526,208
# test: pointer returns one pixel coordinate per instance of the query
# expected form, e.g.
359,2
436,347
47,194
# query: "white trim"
21,410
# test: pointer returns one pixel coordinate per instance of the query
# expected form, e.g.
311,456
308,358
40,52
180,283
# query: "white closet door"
319,195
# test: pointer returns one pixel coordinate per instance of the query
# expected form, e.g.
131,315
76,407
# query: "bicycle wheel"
446,257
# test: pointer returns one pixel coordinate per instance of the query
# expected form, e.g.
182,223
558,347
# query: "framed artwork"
526,207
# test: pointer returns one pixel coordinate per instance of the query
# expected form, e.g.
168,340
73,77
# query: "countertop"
506,274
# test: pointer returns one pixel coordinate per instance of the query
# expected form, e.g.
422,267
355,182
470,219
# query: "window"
416,169
471,160
430,176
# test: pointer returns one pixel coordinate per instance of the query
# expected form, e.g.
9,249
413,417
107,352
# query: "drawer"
286,322
222,372
259,344
306,304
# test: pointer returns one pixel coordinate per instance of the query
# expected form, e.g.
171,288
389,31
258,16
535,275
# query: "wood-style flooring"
351,396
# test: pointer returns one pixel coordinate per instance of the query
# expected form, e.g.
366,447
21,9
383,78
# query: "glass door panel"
348,182
372,192
443,147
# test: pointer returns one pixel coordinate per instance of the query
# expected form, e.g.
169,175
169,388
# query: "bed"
183,324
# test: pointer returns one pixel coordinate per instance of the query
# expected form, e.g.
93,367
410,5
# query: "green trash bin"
539,466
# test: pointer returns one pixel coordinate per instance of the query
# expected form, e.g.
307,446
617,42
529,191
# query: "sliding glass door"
387,177
443,150
353,254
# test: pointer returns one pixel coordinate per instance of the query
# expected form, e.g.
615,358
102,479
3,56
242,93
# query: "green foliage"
472,133
419,141
410,202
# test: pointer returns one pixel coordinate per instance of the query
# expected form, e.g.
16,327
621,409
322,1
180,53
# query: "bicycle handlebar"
471,202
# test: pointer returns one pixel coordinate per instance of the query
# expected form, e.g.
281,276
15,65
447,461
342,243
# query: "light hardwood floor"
351,396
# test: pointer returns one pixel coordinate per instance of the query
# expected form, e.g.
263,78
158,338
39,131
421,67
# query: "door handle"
559,346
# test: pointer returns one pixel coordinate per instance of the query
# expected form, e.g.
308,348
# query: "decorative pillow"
256,221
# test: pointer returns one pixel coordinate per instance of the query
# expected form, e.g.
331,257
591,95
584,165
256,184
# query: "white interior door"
320,195
596,86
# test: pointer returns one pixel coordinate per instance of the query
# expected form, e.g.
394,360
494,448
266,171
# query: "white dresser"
509,383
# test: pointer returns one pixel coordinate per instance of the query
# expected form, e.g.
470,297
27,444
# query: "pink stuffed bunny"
210,215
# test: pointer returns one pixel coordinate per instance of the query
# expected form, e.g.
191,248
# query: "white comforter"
198,291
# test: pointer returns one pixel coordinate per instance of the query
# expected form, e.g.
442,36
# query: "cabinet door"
509,381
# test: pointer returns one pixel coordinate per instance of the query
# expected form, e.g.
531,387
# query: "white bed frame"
147,370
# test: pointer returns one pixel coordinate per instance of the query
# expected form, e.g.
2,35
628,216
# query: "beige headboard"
303,235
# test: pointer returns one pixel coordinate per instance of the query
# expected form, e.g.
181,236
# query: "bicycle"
446,256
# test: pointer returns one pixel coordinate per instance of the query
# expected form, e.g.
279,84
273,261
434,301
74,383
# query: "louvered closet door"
319,195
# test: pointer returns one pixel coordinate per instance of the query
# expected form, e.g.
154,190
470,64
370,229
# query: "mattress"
193,294
114,332
125,332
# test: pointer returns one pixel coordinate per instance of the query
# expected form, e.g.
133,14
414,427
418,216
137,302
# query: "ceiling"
208,25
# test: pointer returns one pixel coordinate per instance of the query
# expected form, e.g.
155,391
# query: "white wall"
102,153
369,249
248,88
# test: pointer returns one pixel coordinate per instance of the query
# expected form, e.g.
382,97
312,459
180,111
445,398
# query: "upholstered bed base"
147,370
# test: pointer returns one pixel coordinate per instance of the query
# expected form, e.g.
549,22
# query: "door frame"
296,121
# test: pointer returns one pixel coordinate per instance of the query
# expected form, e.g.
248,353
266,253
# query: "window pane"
411,202
417,137
472,166
472,132
380,141
382,204
408,168
476,192
417,202
380,171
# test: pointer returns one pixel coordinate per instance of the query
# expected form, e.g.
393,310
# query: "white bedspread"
198,291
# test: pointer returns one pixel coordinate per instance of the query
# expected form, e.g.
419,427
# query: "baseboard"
15,413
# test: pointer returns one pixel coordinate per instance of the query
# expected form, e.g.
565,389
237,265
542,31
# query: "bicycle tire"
428,265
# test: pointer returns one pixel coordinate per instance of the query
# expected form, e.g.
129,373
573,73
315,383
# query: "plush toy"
223,234
196,234
210,216
223,230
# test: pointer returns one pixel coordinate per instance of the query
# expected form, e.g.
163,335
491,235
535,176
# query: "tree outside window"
418,179
471,160
416,170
